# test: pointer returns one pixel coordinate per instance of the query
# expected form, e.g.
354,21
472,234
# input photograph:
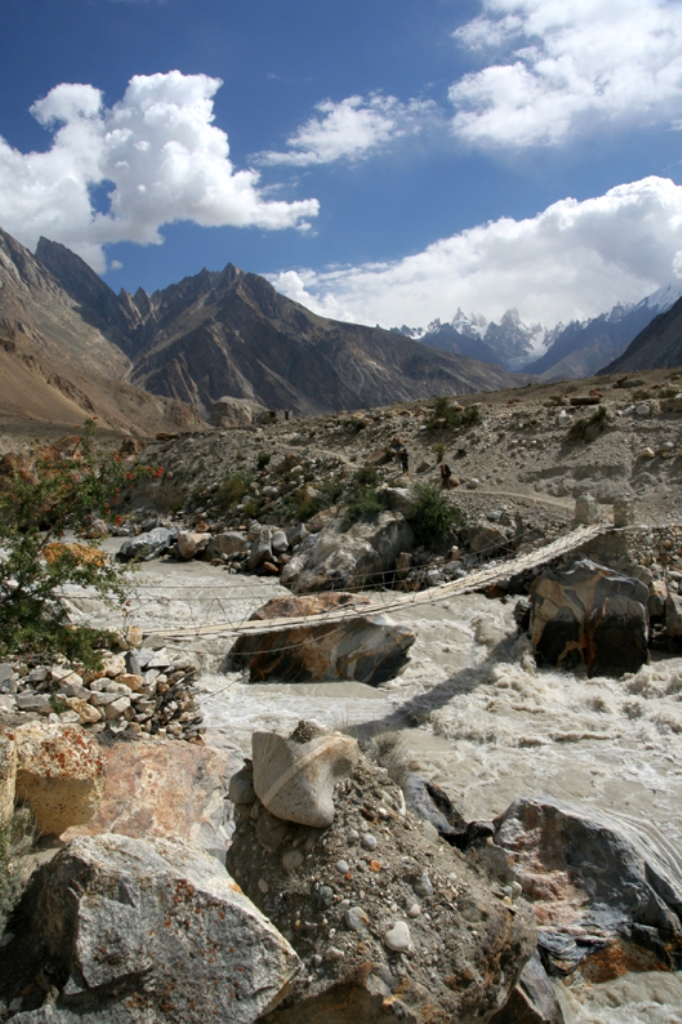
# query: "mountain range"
67,338
579,349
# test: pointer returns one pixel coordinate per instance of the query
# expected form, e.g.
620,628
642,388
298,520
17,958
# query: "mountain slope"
659,345
231,333
57,365
224,333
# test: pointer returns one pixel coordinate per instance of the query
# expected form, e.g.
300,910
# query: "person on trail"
397,445
445,474
404,458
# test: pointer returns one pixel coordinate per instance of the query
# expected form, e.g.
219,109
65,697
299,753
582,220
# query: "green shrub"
446,417
438,450
433,516
366,501
263,460
37,505
232,488
588,429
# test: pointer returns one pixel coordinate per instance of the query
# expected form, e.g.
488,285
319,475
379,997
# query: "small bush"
641,395
433,516
38,503
446,417
232,489
263,460
366,501
438,450
588,430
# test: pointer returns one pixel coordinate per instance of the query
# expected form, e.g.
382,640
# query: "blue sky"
386,161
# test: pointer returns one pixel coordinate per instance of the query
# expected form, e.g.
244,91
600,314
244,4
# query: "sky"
383,161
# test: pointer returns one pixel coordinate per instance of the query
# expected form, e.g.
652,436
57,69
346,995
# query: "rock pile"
389,922
137,692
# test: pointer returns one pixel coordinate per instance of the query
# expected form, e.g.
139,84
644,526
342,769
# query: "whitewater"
474,714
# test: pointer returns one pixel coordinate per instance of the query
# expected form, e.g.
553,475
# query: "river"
474,714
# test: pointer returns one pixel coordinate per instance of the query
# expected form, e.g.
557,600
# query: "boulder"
586,613
146,546
230,543
533,1001
370,648
261,549
279,542
157,789
60,774
8,775
487,540
234,412
374,873
294,776
190,544
336,559
607,889
152,931
673,615
398,499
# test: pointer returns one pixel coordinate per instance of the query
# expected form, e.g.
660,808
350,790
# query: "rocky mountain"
576,350
581,348
58,361
510,344
659,345
230,333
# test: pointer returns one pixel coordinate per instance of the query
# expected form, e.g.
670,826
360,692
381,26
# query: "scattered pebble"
342,866
369,841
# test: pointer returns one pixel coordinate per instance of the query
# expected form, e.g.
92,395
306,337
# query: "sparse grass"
433,517
641,396
438,450
588,429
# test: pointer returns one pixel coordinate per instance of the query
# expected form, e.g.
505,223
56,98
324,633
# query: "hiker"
397,445
445,474
404,458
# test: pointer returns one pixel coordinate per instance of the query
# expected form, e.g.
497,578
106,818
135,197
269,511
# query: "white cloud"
573,260
351,129
566,63
158,150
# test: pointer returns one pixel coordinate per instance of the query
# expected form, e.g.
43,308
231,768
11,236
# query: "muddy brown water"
475,715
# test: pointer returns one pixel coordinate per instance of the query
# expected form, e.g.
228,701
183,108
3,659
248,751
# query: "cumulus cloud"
352,129
573,260
157,152
556,66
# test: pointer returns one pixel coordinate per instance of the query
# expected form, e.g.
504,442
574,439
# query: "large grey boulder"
261,549
232,542
604,886
295,775
146,546
153,931
369,648
588,614
334,559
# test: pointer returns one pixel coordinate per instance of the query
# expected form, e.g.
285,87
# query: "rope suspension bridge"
396,602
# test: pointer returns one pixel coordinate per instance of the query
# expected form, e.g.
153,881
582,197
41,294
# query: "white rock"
398,937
